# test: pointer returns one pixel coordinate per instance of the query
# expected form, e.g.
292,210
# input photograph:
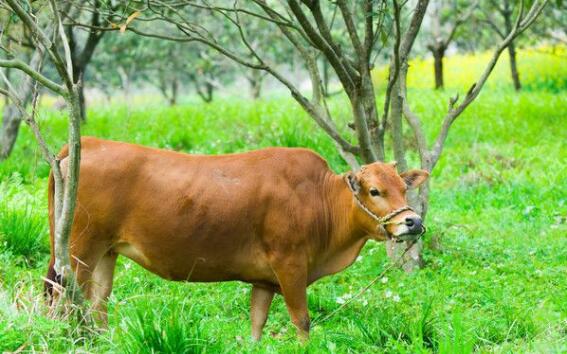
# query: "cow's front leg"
260,302
293,284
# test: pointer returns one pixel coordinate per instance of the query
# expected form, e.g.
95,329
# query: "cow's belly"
197,262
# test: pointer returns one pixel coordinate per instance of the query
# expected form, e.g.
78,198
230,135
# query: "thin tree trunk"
209,89
173,97
82,104
438,54
124,82
11,117
66,200
507,14
514,67
397,127
255,79
412,259
205,93
367,100
326,78
11,120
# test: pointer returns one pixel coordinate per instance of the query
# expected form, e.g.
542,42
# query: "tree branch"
343,73
473,92
359,49
462,19
20,65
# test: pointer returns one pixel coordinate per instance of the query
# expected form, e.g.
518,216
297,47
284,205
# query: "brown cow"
277,218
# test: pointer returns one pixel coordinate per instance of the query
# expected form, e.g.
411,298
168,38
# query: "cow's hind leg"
93,264
261,300
101,287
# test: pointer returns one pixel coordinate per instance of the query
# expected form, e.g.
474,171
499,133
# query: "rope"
385,220
363,290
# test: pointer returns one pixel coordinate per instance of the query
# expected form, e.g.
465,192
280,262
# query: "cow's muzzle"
414,225
410,229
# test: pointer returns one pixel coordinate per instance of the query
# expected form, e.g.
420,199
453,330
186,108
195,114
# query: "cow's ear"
353,182
414,178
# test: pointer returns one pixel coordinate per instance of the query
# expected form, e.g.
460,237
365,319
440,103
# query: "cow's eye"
374,192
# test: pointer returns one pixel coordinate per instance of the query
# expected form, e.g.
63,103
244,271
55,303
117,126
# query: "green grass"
496,275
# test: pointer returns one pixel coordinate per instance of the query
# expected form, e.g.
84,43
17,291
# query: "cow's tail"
51,279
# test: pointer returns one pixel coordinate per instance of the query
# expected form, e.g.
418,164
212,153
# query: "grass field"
496,276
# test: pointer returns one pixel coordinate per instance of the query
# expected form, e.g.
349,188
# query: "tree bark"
82,104
11,120
174,92
66,200
11,117
438,55
255,80
206,93
124,82
514,67
81,59
397,127
507,14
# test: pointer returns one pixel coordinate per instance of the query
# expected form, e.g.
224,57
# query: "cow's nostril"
409,222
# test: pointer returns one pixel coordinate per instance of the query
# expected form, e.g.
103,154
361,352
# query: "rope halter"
384,220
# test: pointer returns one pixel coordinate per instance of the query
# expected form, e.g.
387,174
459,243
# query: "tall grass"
151,330
23,233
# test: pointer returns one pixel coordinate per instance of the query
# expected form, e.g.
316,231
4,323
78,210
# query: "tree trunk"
82,104
368,107
11,117
11,120
65,201
173,97
255,88
412,259
205,93
514,67
438,54
396,124
78,74
507,14
124,82
209,89
255,79
326,78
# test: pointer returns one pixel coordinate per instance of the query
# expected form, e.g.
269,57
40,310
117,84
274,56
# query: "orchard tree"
16,39
47,38
445,19
81,45
499,14
206,70
83,42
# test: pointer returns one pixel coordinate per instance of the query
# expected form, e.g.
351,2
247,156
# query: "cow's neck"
345,239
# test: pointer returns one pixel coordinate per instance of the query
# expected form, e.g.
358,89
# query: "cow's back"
197,217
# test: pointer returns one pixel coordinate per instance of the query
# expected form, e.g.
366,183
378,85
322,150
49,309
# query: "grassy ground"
496,276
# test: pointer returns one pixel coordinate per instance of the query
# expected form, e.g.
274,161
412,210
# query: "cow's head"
381,206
